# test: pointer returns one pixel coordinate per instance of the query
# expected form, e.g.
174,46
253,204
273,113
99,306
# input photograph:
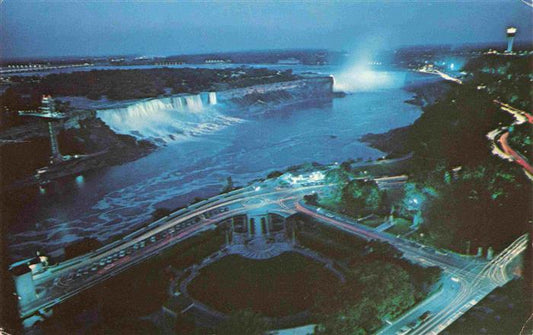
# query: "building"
511,32
24,286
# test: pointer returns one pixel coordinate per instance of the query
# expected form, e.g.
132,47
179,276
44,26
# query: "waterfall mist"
168,119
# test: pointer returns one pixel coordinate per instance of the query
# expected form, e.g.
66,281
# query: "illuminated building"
24,286
511,32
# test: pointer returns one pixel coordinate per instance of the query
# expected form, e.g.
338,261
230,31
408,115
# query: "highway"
441,74
499,137
465,282
520,117
62,281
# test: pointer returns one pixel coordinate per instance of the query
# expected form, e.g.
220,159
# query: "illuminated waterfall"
167,119
212,98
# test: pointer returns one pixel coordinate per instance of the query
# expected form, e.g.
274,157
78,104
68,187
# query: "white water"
357,79
117,199
212,98
168,119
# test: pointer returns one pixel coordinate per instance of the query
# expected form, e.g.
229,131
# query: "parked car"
424,316
404,330
414,324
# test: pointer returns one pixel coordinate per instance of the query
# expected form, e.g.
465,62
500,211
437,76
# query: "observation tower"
47,112
511,32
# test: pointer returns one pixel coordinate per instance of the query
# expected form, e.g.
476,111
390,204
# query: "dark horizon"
493,44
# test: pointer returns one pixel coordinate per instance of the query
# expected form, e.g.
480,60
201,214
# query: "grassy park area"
124,299
401,226
274,287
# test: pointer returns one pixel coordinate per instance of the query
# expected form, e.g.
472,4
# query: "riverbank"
469,195
90,143
114,200
86,133
396,142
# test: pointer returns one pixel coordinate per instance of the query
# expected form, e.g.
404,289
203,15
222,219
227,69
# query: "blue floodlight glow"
80,180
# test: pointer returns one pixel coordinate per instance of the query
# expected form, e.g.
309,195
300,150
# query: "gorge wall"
305,88
174,118
130,131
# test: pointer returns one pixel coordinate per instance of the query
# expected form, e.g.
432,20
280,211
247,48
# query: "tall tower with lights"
47,112
511,32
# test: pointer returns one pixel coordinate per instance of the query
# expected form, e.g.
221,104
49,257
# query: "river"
117,199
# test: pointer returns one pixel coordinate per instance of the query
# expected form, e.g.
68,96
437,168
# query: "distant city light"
316,176
257,188
452,66
312,177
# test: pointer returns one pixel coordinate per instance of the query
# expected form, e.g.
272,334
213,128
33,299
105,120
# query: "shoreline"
395,142
83,125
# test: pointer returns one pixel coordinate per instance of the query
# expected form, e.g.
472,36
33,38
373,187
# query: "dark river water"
116,199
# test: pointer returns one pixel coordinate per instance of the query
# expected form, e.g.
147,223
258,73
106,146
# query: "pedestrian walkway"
385,225
259,247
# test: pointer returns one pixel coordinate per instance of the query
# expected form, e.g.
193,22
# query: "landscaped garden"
275,287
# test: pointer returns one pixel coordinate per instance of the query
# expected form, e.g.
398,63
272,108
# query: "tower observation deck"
511,32
47,112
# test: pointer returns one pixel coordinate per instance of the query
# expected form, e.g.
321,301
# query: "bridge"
40,288
466,279
21,68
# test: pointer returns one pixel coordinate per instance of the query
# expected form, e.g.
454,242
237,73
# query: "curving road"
465,282
466,279
64,280
500,135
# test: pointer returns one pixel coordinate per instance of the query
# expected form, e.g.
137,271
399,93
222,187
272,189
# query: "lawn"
401,226
374,221
275,287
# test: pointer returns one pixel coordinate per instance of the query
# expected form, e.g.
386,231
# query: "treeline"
505,78
520,139
309,57
379,285
486,201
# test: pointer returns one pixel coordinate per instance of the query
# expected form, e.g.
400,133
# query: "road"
516,156
466,279
64,280
465,282
442,75
499,138
520,117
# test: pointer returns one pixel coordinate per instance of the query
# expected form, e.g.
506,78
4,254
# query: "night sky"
61,28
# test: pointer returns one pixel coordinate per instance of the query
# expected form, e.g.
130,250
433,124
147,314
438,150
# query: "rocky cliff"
296,90
25,148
